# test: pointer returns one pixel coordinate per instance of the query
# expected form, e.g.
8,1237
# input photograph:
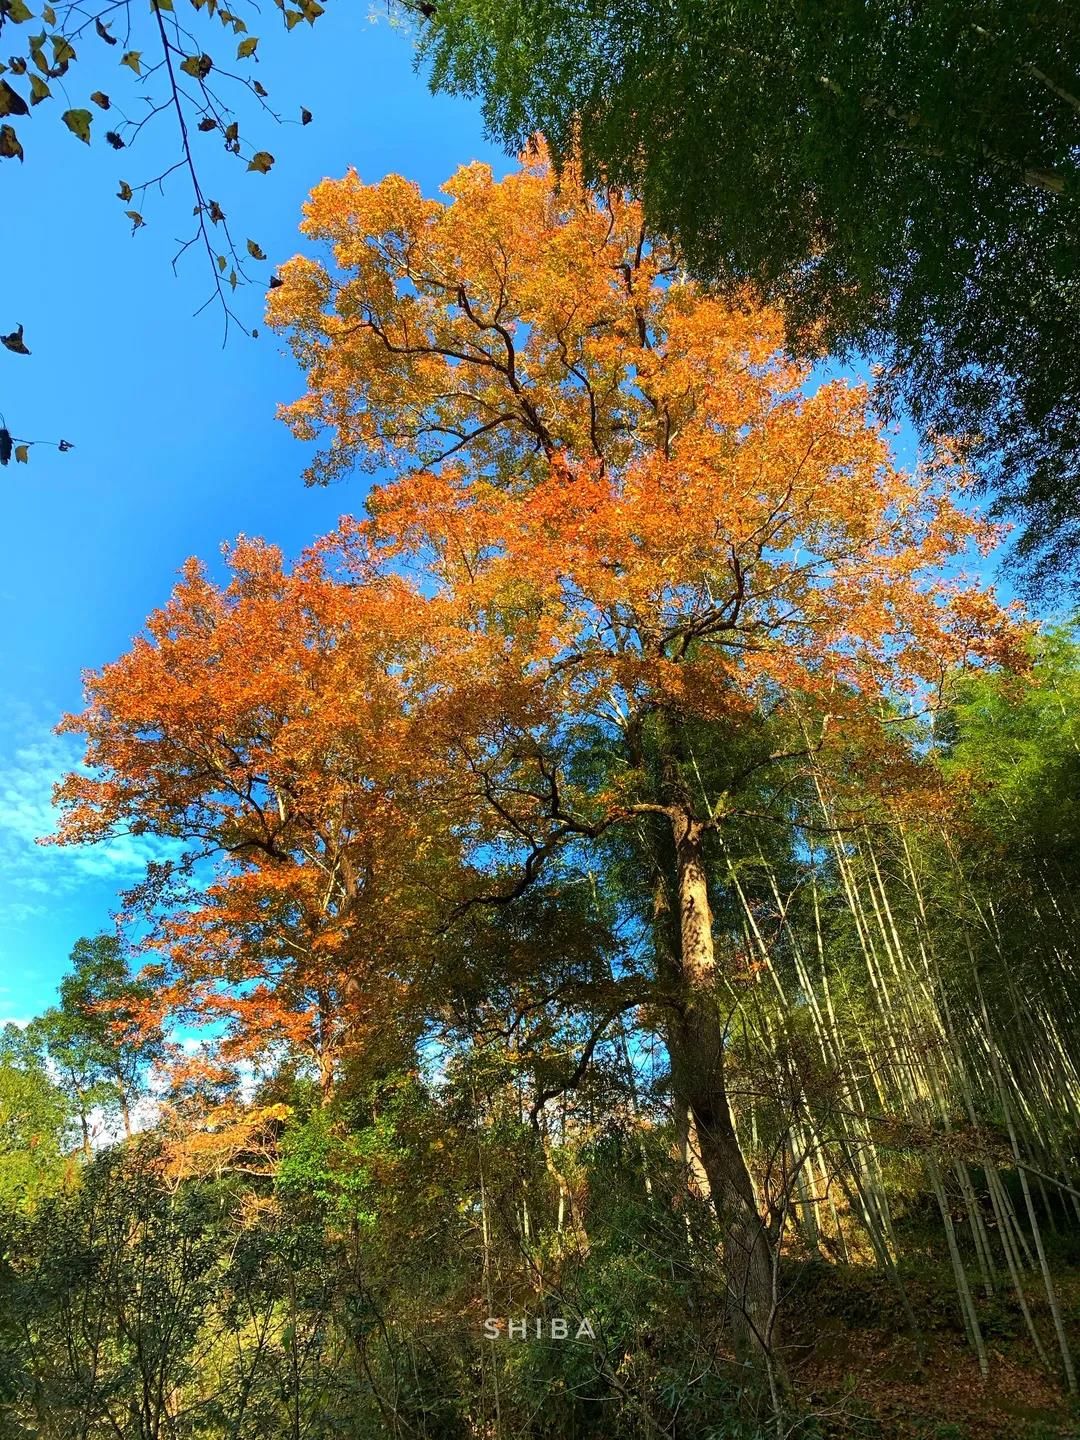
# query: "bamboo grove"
628,874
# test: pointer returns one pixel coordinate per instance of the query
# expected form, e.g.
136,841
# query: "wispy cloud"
33,876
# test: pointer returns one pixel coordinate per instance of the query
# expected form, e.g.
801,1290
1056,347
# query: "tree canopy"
902,180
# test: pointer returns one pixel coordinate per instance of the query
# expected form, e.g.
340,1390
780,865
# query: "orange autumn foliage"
262,727
613,500
622,475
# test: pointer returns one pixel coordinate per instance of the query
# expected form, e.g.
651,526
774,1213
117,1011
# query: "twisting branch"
576,1076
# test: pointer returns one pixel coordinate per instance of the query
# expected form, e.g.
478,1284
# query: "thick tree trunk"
696,1043
690,1151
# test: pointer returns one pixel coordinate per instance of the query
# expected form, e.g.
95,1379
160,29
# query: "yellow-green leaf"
255,251
38,90
247,47
78,122
22,454
261,161
125,191
197,66
63,52
132,59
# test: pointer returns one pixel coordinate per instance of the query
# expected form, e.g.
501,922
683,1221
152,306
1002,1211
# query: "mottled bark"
696,1042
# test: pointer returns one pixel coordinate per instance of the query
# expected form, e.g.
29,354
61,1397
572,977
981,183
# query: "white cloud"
107,1129
32,760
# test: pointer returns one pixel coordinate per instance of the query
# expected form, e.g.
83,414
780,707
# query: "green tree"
111,1286
905,179
1018,745
35,1121
98,1051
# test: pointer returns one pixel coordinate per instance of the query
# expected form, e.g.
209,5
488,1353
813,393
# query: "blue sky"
177,447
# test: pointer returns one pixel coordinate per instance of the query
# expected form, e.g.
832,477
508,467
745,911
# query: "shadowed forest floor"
863,1374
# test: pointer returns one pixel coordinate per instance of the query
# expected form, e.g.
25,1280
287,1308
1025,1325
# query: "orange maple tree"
262,727
615,511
